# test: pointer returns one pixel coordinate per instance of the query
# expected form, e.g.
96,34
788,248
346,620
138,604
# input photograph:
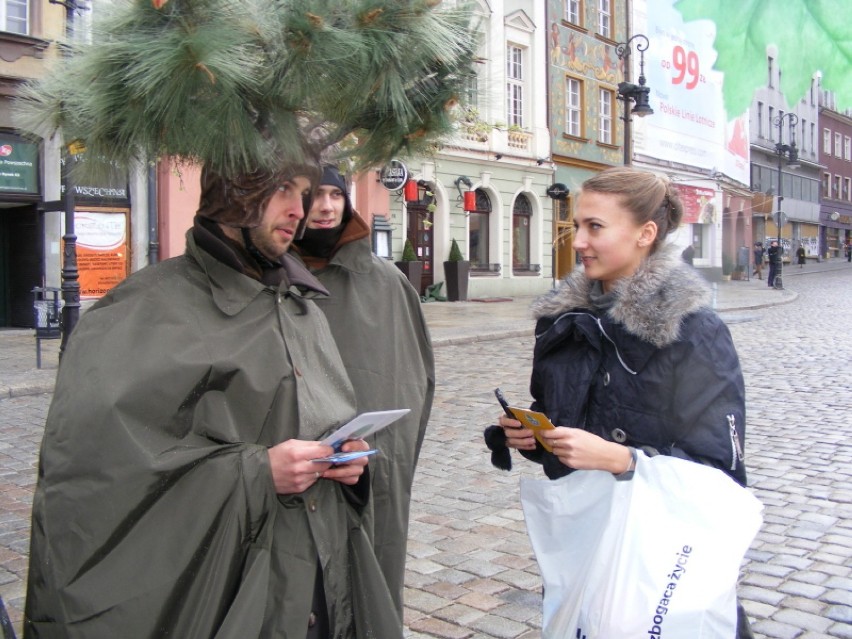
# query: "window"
573,107
826,141
847,182
478,232
515,85
471,91
770,65
837,142
847,148
760,119
604,18
771,123
826,185
15,16
835,193
813,138
605,116
572,12
521,215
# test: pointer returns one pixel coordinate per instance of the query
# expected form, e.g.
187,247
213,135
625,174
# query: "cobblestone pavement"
471,573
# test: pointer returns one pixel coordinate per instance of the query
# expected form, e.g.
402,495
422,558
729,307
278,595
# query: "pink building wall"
178,195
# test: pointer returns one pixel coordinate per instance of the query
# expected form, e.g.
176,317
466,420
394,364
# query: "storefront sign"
102,251
394,175
111,189
18,165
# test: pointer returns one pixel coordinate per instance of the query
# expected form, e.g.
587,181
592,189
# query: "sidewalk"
449,323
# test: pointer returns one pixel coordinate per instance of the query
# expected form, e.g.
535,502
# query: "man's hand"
292,468
350,472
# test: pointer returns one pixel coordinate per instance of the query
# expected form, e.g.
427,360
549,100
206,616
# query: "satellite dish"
835,216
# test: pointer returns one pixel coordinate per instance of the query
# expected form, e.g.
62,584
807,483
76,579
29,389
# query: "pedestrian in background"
377,321
759,252
629,353
773,254
800,256
688,254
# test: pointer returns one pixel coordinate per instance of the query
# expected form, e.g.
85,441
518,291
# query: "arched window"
478,231
521,217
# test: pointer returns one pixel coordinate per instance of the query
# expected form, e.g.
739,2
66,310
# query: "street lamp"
70,273
633,93
791,154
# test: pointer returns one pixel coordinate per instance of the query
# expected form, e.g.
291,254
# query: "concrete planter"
457,277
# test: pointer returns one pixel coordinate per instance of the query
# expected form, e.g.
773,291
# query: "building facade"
586,128
500,153
793,187
111,240
835,154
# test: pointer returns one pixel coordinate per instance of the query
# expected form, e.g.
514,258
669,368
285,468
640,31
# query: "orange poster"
102,251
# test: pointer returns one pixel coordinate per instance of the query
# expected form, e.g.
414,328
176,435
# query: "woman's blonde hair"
649,197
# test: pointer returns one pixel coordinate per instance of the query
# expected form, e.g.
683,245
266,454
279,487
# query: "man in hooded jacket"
376,319
177,495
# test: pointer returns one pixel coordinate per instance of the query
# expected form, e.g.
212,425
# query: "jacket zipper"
736,449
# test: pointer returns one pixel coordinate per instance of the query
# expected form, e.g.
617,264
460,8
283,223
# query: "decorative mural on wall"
584,57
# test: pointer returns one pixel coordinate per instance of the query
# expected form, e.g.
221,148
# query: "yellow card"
536,422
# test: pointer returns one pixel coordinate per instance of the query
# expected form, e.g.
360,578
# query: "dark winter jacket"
657,370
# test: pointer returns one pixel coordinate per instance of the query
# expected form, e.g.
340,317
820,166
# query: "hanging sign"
18,165
557,191
393,175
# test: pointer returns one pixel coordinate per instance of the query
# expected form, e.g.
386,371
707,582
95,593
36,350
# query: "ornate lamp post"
791,154
635,93
70,273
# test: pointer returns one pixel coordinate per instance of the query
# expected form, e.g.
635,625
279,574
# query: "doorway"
21,259
421,237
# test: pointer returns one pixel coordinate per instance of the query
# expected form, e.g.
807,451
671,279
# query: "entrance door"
563,245
22,242
420,234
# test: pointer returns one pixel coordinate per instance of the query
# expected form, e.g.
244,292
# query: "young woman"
628,352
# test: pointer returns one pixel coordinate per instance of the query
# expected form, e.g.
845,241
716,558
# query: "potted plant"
410,265
727,267
456,271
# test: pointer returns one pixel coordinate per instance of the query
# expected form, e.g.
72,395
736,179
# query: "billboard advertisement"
689,125
102,251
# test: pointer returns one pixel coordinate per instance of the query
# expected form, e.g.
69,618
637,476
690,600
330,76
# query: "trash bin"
47,313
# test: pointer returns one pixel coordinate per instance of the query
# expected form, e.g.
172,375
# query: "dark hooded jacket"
155,513
656,370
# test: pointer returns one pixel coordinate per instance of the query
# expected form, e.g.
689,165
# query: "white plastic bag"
656,557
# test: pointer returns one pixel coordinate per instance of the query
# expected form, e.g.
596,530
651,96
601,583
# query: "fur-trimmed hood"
651,304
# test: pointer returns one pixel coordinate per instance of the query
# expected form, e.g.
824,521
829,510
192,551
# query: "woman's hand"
350,472
581,450
517,436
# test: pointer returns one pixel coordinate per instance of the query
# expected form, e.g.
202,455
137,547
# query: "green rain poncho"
155,514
